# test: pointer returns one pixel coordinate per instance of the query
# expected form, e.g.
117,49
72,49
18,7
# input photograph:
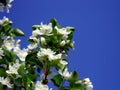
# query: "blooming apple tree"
44,60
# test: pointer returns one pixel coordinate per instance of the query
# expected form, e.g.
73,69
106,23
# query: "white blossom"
65,73
10,43
5,19
48,53
34,38
32,46
63,31
45,52
45,29
8,5
40,86
54,57
21,53
13,68
6,81
88,84
36,33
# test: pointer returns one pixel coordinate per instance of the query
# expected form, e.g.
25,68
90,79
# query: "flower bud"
62,43
72,45
88,84
63,62
43,42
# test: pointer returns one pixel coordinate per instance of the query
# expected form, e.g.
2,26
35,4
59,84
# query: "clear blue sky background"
97,23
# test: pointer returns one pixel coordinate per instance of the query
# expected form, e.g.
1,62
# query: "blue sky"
97,39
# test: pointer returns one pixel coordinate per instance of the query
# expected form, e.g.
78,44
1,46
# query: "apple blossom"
40,86
88,84
7,4
45,29
13,68
21,53
10,43
65,73
6,81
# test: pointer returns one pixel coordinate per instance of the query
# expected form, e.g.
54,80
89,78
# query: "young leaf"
6,27
54,62
21,70
33,77
2,72
18,81
16,32
26,81
76,88
2,61
57,80
9,55
74,77
34,27
33,60
76,85
54,22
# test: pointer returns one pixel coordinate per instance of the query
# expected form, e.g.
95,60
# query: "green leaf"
53,62
76,88
1,40
26,81
76,85
33,77
31,73
9,55
60,66
62,88
17,87
21,70
29,88
74,77
54,22
2,72
7,27
31,41
32,59
34,27
57,80
16,32
2,61
18,81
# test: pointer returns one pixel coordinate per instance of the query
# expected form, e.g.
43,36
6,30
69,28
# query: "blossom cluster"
11,56
5,4
43,61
